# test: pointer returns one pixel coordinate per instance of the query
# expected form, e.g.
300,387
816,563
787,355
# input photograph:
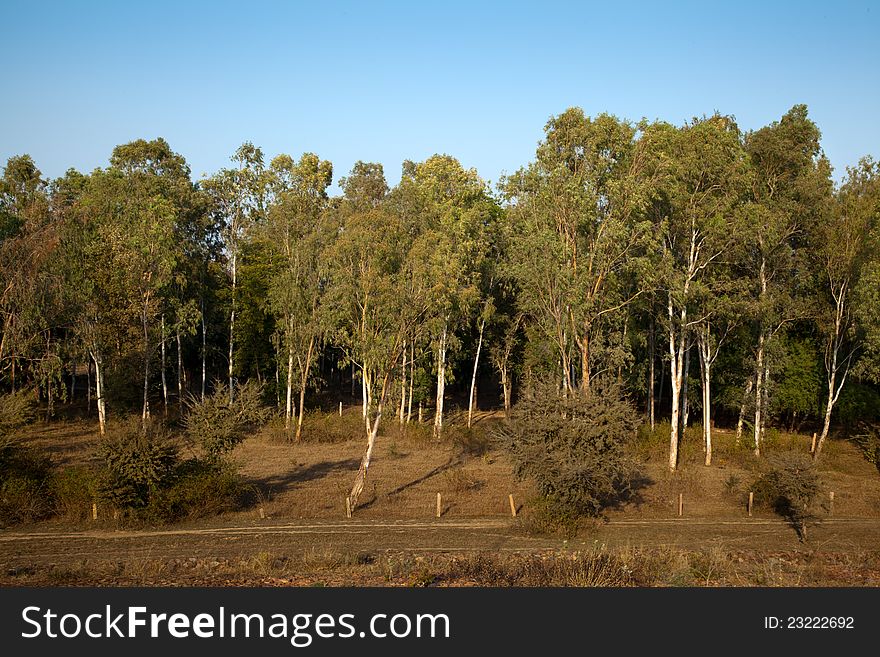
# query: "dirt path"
481,534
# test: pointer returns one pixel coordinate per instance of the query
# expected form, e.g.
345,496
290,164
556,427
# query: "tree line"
674,259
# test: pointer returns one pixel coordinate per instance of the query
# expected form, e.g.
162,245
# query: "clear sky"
388,81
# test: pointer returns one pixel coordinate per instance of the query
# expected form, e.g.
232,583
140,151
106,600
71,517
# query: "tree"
582,232
701,171
845,246
239,198
293,237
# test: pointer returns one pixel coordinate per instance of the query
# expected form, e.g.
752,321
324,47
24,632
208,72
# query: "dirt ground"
297,532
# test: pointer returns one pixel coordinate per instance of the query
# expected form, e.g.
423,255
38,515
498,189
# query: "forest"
711,274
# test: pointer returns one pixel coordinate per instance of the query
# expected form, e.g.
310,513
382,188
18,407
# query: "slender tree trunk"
651,360
145,414
179,370
232,328
742,409
412,372
402,414
834,387
759,394
164,381
472,397
304,380
99,392
705,351
204,351
505,387
441,384
685,402
88,385
676,356
288,409
72,381
372,431
364,392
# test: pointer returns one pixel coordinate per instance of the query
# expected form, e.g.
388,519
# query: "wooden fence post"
94,511
831,503
751,501
512,505
680,504
439,505
813,444
340,409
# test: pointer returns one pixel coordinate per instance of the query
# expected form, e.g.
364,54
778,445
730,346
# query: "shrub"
868,442
73,491
219,425
24,477
137,462
198,489
573,448
790,487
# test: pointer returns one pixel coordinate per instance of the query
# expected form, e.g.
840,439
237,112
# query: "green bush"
24,485
573,448
137,462
218,425
73,491
790,487
198,489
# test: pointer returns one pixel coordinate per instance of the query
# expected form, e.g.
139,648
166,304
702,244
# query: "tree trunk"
232,328
472,397
145,413
73,381
441,384
99,392
651,360
288,409
304,380
705,351
685,405
164,381
179,371
676,356
204,351
759,390
402,414
372,431
412,373
88,385
742,409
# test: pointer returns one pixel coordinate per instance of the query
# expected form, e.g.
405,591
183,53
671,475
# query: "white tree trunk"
179,371
759,393
232,328
412,372
472,397
304,380
402,413
164,381
742,409
441,384
99,392
288,409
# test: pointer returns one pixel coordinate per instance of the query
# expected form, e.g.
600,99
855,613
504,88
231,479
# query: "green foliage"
573,448
136,462
16,411
198,489
25,486
218,425
790,487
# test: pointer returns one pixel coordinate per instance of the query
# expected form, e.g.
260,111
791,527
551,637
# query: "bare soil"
297,533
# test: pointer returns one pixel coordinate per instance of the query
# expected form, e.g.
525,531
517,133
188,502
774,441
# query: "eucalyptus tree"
293,237
373,306
701,171
789,187
451,234
238,195
579,213
846,248
33,340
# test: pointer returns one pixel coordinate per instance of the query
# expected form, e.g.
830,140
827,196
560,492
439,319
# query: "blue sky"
389,81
